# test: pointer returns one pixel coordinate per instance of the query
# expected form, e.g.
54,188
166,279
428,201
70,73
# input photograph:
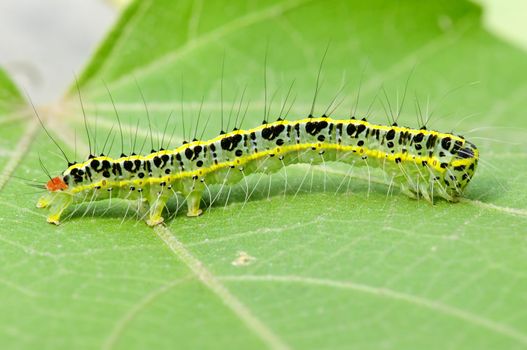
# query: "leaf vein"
214,35
387,293
212,283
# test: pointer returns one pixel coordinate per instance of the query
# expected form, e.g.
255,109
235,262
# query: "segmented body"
421,162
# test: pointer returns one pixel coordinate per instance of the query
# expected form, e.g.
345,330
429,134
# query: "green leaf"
9,96
341,260
16,133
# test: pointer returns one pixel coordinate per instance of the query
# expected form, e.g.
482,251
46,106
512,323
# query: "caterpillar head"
55,188
56,184
56,199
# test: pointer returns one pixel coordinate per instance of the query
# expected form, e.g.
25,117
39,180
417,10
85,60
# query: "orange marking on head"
56,184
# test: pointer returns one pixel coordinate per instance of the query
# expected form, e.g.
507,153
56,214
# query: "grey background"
44,43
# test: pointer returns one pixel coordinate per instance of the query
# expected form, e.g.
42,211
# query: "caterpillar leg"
44,201
56,204
155,211
405,189
193,202
423,190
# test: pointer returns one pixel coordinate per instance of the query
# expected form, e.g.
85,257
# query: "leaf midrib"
188,46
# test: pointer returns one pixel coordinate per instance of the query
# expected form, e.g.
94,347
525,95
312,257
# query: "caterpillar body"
422,163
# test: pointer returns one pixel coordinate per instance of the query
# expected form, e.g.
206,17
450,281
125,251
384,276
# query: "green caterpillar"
423,163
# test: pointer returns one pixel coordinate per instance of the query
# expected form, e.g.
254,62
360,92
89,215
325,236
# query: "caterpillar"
422,163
